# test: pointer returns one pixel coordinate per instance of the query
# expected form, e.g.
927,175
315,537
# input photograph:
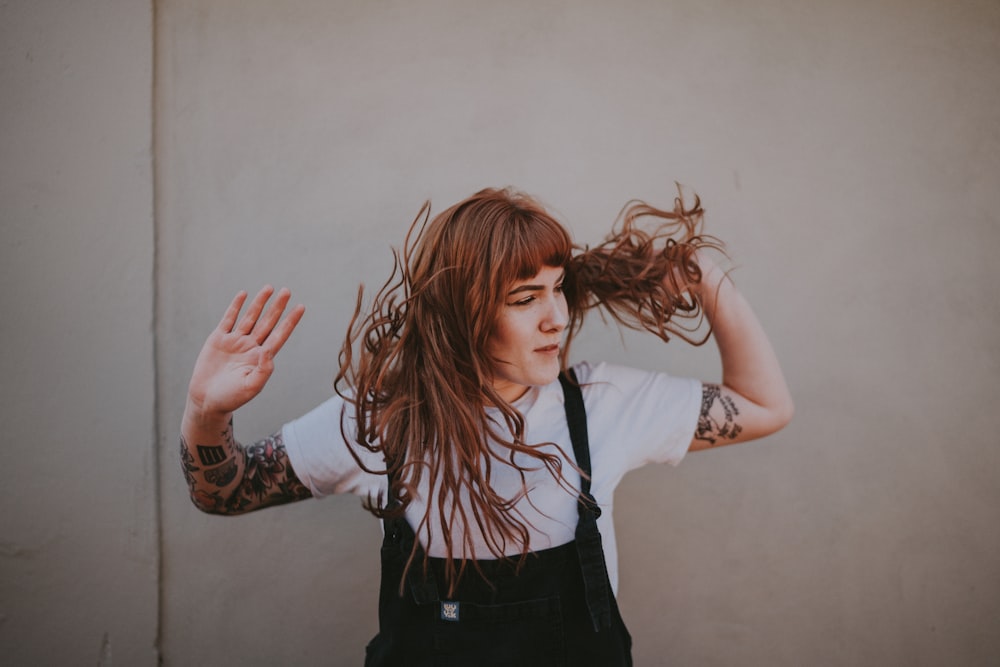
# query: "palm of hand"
237,359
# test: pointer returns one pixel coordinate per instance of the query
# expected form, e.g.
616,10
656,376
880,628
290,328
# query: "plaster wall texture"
78,531
848,154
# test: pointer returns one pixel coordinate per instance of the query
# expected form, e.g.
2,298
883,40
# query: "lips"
548,349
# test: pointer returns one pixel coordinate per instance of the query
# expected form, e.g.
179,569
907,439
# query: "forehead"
547,275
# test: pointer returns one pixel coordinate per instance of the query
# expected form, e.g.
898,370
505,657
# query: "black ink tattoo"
230,439
187,464
206,502
268,479
710,428
211,456
223,475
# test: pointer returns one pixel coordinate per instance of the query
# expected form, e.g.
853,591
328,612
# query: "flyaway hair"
414,367
640,274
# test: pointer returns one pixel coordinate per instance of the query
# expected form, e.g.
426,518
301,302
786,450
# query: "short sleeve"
639,416
319,453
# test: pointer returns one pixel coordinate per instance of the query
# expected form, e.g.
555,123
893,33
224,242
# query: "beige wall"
78,531
848,152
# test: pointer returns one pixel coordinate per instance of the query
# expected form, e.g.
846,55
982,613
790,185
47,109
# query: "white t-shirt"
634,418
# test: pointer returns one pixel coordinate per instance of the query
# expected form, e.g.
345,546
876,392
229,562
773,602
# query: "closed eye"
533,289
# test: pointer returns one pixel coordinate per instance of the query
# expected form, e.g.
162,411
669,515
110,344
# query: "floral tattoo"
267,479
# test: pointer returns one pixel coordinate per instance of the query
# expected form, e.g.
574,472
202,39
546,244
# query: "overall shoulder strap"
597,587
576,418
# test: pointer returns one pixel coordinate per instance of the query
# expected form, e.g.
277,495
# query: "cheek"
498,340
506,337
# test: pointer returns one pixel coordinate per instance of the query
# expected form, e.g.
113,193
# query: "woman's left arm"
753,400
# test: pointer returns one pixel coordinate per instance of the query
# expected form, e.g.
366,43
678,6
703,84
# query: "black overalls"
558,610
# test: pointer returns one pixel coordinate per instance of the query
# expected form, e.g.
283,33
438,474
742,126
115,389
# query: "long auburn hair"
414,366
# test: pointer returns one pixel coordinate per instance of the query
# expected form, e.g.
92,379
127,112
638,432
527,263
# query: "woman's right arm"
235,363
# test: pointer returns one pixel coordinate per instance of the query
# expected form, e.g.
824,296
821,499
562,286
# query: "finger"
258,376
284,329
232,312
254,309
265,363
262,329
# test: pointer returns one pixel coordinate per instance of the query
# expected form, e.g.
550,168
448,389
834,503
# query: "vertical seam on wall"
155,324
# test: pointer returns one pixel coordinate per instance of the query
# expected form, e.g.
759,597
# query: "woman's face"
525,344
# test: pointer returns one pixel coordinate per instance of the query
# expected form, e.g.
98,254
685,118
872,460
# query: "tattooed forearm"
267,478
204,499
717,421
211,455
223,475
187,465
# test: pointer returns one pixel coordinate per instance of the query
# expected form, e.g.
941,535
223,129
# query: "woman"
491,461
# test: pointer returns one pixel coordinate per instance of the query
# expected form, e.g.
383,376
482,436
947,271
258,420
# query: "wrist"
711,278
196,415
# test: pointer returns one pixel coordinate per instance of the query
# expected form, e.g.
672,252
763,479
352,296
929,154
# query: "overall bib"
558,610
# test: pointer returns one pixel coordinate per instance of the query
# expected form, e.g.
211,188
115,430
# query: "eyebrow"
526,288
535,288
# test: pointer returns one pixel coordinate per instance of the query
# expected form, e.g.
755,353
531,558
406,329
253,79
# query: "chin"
543,379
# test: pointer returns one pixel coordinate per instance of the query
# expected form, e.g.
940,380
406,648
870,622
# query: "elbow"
210,503
783,414
775,414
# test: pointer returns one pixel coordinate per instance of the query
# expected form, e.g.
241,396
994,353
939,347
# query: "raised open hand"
238,358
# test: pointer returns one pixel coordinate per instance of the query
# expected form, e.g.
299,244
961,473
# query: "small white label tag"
449,611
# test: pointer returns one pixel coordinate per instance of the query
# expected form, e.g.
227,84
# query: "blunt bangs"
536,240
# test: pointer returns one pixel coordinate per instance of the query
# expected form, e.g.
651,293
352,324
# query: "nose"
557,315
